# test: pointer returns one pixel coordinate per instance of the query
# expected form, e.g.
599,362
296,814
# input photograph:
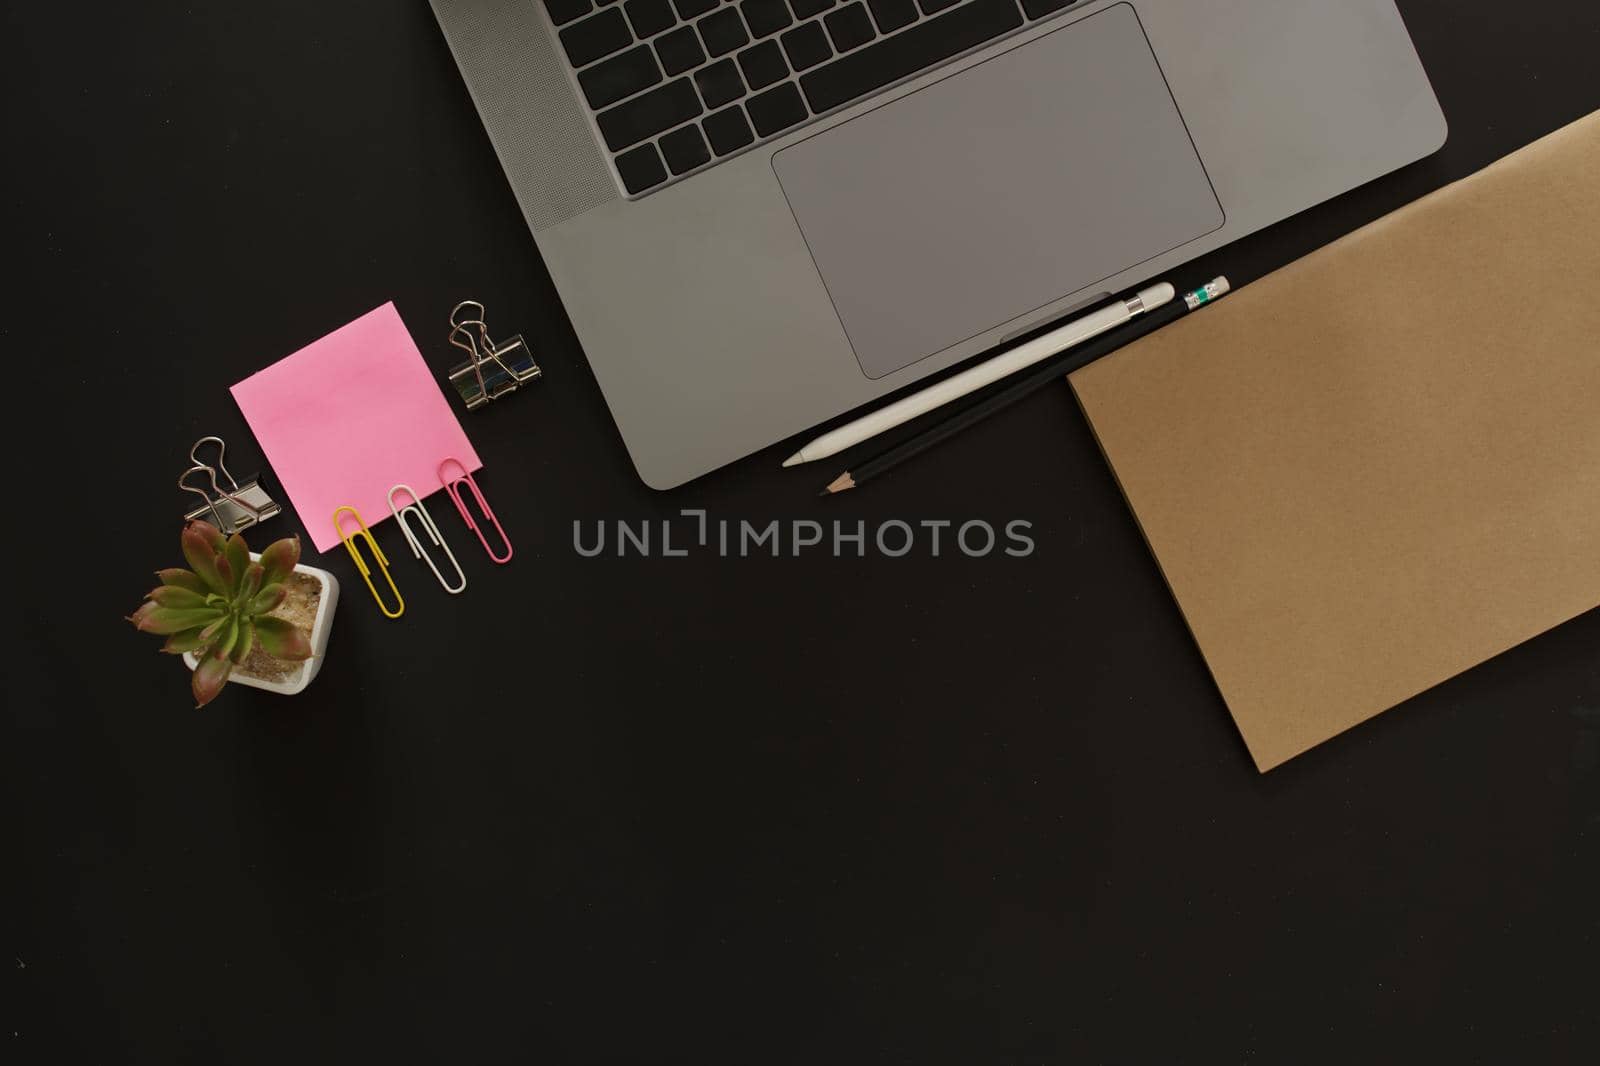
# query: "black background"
700,809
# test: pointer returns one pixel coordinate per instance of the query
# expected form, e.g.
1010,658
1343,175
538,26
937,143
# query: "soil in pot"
299,609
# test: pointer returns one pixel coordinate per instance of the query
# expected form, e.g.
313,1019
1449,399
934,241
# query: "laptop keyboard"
678,85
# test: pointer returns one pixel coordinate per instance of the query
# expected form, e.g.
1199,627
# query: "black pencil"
1032,382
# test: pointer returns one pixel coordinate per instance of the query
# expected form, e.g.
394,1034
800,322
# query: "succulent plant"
222,606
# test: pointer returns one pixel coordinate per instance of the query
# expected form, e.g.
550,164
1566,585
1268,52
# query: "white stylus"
971,380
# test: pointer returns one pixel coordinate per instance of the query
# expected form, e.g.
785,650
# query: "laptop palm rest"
998,190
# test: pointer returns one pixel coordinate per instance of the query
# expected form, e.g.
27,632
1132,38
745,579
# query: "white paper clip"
415,509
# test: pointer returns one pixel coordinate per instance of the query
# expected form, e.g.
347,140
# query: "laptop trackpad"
1032,175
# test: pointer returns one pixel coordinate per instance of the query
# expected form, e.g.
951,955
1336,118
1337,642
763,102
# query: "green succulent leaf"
214,630
202,559
225,638
165,621
244,642
177,577
280,559
173,596
237,553
281,640
188,640
267,600
250,585
213,536
209,677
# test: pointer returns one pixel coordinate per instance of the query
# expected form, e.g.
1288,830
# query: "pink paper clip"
452,486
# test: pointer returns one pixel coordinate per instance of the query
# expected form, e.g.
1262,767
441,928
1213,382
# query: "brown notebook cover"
1380,465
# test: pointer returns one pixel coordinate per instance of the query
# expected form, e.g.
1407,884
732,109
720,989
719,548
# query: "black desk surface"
696,809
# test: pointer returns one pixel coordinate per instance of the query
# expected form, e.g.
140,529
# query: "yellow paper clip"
383,562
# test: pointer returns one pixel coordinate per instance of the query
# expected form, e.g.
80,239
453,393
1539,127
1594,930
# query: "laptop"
762,214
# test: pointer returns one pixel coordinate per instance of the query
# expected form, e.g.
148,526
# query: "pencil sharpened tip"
794,460
843,483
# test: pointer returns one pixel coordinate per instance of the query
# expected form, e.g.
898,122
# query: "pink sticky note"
343,420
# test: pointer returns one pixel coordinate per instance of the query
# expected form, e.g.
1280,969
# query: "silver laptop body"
899,184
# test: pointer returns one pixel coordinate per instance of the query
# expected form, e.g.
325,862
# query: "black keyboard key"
850,27
762,65
679,50
1038,9
727,130
807,46
596,37
618,77
645,116
564,11
688,9
933,7
719,83
765,17
723,32
859,73
891,15
685,149
649,17
776,109
806,8
641,168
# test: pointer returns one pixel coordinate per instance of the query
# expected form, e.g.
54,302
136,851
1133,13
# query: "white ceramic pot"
296,682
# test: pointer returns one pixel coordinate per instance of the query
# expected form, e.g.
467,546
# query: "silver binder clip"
231,509
493,369
416,510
